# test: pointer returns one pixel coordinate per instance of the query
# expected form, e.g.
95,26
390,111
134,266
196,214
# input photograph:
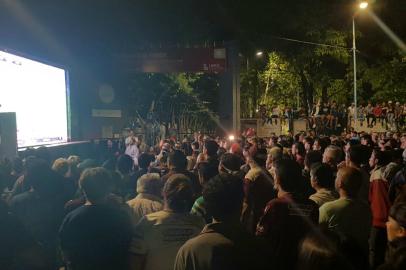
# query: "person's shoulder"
253,173
276,204
155,217
330,206
22,198
195,243
78,212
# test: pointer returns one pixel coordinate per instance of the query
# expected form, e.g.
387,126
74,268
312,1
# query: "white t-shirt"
351,111
160,235
133,152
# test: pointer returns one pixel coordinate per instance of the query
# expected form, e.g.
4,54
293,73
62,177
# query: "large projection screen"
37,93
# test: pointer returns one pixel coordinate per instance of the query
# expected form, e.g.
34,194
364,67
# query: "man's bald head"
349,180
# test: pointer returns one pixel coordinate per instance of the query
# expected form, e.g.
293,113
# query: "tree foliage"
178,100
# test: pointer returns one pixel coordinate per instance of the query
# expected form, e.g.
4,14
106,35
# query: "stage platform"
99,149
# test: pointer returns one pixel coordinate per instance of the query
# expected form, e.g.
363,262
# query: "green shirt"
348,217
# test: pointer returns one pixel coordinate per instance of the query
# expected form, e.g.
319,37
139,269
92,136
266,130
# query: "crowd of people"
332,116
286,202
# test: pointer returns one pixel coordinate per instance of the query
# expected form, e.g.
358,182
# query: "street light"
259,53
362,5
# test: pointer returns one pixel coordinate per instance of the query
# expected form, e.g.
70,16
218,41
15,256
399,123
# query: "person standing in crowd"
275,114
62,167
124,182
348,216
308,143
18,248
142,146
357,157
332,156
377,111
258,189
369,110
361,114
177,164
158,236
148,199
209,154
398,110
322,180
320,251
41,208
288,218
380,205
333,116
396,229
351,114
98,234
132,150
144,167
192,159
298,153
274,154
223,244
205,173
384,115
391,115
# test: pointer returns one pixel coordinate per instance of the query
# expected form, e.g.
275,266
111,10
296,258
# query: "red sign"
174,60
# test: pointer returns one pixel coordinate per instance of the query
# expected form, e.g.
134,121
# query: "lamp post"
362,5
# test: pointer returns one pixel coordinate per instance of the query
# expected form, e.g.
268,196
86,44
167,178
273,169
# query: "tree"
387,80
182,102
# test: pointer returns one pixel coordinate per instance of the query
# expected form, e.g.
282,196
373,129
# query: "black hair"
290,176
221,152
353,142
313,157
207,171
196,145
211,147
223,196
125,164
309,140
177,159
323,174
36,172
397,155
260,157
231,162
144,160
300,148
321,251
324,142
383,157
359,154
397,255
178,193
95,183
186,148
368,138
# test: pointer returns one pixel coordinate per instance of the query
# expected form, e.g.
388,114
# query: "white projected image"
36,92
